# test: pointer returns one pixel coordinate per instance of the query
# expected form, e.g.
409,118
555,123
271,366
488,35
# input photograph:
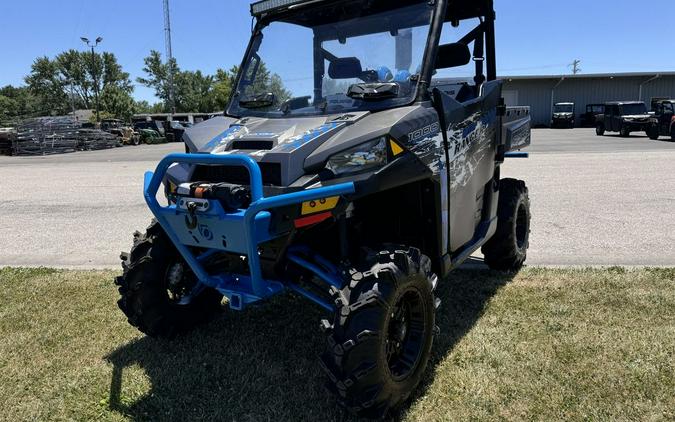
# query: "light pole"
93,69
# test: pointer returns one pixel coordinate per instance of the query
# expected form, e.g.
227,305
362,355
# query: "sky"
533,36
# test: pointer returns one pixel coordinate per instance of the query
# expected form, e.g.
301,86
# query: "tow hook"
191,220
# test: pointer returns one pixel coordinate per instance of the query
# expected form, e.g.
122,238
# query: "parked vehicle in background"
151,125
151,132
174,130
589,118
662,123
125,133
624,117
656,101
7,137
563,115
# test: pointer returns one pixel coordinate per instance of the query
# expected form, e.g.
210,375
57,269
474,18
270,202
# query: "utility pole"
93,70
169,55
575,67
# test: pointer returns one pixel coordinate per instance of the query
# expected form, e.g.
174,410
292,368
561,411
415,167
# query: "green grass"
545,345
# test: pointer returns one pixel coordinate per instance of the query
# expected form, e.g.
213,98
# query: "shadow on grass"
261,364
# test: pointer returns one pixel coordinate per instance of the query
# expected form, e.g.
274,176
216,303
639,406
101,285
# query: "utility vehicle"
174,130
118,128
337,173
589,118
623,117
563,115
662,123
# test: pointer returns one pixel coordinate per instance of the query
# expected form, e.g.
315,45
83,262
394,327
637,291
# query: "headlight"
364,157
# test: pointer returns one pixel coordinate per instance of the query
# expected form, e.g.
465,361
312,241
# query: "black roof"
327,11
467,9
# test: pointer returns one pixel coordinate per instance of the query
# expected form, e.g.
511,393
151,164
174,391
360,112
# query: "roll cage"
310,13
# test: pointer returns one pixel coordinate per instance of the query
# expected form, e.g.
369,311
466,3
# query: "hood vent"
253,145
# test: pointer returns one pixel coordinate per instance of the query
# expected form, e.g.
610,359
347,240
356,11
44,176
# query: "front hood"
285,143
293,147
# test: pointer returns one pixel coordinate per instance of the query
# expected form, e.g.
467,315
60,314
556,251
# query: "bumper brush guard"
203,223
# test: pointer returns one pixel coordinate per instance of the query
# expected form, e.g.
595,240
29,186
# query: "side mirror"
452,55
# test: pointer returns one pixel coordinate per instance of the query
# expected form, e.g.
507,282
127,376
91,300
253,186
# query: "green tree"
46,84
158,76
116,101
194,92
144,107
265,81
16,103
72,79
222,87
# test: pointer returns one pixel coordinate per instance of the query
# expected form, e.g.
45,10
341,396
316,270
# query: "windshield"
564,108
334,67
633,109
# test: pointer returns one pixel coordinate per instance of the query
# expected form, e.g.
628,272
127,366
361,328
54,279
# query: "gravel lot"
596,201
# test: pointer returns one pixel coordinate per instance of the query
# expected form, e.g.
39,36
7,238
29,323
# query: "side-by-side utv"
340,174
662,122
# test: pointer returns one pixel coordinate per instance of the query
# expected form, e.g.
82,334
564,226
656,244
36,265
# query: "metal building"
541,92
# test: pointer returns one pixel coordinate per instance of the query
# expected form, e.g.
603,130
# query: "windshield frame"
420,90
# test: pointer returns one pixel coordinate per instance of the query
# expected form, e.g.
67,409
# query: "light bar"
263,6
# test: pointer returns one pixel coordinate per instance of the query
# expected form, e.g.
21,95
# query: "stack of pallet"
46,135
56,135
93,139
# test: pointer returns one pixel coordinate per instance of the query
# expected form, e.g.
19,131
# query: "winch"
231,197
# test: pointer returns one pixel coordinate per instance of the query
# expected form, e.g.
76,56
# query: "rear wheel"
600,129
380,338
672,134
154,288
507,249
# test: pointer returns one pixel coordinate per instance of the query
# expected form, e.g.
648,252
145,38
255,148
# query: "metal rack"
57,135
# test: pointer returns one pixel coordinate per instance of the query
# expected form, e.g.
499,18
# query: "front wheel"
507,249
600,129
624,132
672,134
380,338
653,133
155,285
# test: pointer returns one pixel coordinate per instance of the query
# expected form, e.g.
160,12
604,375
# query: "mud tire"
144,297
507,249
362,357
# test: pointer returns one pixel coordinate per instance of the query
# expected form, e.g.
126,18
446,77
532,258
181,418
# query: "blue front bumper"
215,230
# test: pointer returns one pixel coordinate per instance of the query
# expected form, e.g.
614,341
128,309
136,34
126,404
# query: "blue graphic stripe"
309,136
213,143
